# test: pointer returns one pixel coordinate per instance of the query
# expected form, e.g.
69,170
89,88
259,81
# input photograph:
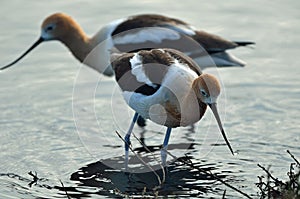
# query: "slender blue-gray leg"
164,149
127,139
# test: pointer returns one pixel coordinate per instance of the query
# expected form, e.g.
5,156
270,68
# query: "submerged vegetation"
271,187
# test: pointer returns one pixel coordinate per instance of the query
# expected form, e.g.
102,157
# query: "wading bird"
135,33
167,87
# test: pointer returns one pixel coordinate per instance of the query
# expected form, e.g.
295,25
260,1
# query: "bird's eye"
49,28
203,93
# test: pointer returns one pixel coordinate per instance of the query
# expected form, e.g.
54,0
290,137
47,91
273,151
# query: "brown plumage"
178,96
121,35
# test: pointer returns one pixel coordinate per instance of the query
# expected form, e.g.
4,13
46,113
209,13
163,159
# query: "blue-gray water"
38,117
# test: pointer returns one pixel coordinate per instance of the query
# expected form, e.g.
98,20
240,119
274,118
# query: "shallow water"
68,136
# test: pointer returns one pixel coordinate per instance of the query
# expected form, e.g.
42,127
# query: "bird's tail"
244,43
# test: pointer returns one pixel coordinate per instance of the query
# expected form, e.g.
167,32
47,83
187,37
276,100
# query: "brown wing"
213,43
155,64
146,20
182,58
125,78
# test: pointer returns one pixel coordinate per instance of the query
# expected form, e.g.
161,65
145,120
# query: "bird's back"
156,82
151,31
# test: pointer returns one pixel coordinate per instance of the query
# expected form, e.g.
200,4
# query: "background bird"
135,33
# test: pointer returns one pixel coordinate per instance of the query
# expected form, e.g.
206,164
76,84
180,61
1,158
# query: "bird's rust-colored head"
207,88
61,27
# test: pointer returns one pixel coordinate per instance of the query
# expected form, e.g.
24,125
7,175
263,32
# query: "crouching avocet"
167,87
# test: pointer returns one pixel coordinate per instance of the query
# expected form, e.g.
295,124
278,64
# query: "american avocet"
117,35
167,87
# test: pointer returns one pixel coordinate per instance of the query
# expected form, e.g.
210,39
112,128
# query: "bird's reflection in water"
107,177
181,180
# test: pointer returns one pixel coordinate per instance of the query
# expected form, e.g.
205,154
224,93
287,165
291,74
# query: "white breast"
99,57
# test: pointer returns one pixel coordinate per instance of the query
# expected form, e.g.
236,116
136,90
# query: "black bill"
40,40
213,107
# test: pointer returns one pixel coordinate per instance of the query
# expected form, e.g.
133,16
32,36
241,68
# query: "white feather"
149,34
148,106
138,71
179,70
185,29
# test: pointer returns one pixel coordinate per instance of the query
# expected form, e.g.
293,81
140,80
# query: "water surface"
39,132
